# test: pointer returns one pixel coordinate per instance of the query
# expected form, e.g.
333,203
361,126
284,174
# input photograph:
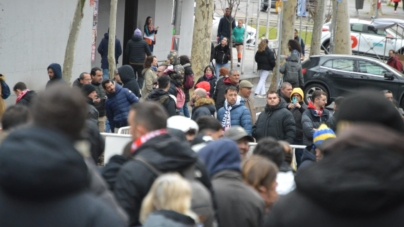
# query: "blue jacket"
117,106
57,70
103,51
240,115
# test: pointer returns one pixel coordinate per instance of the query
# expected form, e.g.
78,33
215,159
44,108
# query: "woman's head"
294,45
224,71
224,41
260,173
263,45
240,23
168,192
184,59
209,70
149,20
148,62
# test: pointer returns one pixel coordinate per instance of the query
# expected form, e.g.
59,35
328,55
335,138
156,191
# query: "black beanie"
370,107
87,89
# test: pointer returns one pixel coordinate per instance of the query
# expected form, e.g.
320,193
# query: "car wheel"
310,89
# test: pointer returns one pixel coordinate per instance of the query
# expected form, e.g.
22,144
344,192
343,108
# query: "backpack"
5,90
189,81
180,98
201,200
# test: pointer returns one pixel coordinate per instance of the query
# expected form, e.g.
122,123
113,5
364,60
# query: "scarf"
226,121
208,76
21,95
143,139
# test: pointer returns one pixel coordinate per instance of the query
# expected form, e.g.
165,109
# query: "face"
117,78
240,23
97,78
245,92
298,97
272,99
287,91
92,95
321,101
86,79
235,77
391,54
51,74
227,12
194,98
160,71
154,63
150,20
319,155
17,92
231,97
110,88
208,71
224,42
389,96
243,146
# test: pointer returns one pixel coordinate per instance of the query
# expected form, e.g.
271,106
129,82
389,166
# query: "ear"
262,190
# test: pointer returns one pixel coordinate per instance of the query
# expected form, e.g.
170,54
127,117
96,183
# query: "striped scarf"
143,139
226,121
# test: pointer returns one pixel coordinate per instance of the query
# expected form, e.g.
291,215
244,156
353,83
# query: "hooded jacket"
102,95
212,81
150,78
238,204
222,54
238,34
203,107
223,29
134,180
128,79
77,83
57,77
312,120
239,114
276,122
265,60
364,187
168,218
103,51
221,86
297,114
45,182
26,99
292,72
117,106
163,97
136,50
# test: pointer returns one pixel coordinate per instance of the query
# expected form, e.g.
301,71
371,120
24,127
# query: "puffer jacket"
312,120
117,106
292,72
136,50
297,115
221,86
203,107
168,218
238,34
102,95
239,114
222,54
150,78
276,122
212,82
128,79
265,60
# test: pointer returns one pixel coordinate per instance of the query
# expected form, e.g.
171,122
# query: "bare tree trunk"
111,39
317,28
343,30
71,42
200,55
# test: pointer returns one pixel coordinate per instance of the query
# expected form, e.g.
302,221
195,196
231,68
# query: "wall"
34,34
163,18
187,27
146,8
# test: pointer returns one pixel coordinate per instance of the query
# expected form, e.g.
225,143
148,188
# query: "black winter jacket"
224,27
102,95
163,97
222,54
212,82
48,188
310,121
203,107
134,179
276,122
136,50
26,99
97,143
265,60
297,115
128,79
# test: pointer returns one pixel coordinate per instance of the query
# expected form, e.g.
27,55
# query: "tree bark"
343,30
317,28
201,44
111,39
71,42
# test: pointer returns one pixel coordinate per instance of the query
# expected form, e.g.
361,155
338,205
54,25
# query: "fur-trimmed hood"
204,102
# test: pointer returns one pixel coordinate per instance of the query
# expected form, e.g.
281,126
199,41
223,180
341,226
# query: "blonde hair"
259,171
263,44
168,192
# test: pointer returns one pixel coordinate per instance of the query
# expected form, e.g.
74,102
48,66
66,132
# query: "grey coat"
292,72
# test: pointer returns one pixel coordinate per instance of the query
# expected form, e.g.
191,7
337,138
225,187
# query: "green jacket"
238,34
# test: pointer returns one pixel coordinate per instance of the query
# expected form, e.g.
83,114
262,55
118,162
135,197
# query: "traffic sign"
354,41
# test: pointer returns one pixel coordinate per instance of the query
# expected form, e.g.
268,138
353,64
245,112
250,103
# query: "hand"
298,105
291,106
97,100
157,28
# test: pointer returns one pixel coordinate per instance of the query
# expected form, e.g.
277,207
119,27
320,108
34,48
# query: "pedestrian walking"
150,77
301,42
150,33
24,95
223,30
103,51
395,5
238,39
222,55
188,82
128,79
266,62
208,76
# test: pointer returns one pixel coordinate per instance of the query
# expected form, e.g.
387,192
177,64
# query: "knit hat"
298,91
370,107
138,32
323,133
204,85
245,84
87,89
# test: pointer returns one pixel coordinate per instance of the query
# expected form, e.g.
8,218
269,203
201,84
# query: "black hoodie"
128,79
44,182
136,50
163,97
134,180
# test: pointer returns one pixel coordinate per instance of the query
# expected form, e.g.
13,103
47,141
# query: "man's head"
89,91
296,33
199,93
227,12
19,87
271,149
145,117
109,86
164,82
231,95
234,76
319,99
210,126
96,75
392,53
61,108
85,78
286,89
272,99
241,137
388,95
338,101
160,70
245,88
15,116
117,77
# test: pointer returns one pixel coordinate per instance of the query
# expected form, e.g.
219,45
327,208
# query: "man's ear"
263,190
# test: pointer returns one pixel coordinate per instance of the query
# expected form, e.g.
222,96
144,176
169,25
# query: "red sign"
354,41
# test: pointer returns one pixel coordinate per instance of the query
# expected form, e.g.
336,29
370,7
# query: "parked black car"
340,75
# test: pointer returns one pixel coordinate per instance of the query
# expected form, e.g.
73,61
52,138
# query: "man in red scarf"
314,115
24,95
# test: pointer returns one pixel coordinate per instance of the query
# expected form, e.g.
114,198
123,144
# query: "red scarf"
143,139
21,95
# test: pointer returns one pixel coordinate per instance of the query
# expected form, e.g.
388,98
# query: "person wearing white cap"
186,125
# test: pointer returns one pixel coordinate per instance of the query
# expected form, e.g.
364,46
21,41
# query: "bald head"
160,70
198,94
